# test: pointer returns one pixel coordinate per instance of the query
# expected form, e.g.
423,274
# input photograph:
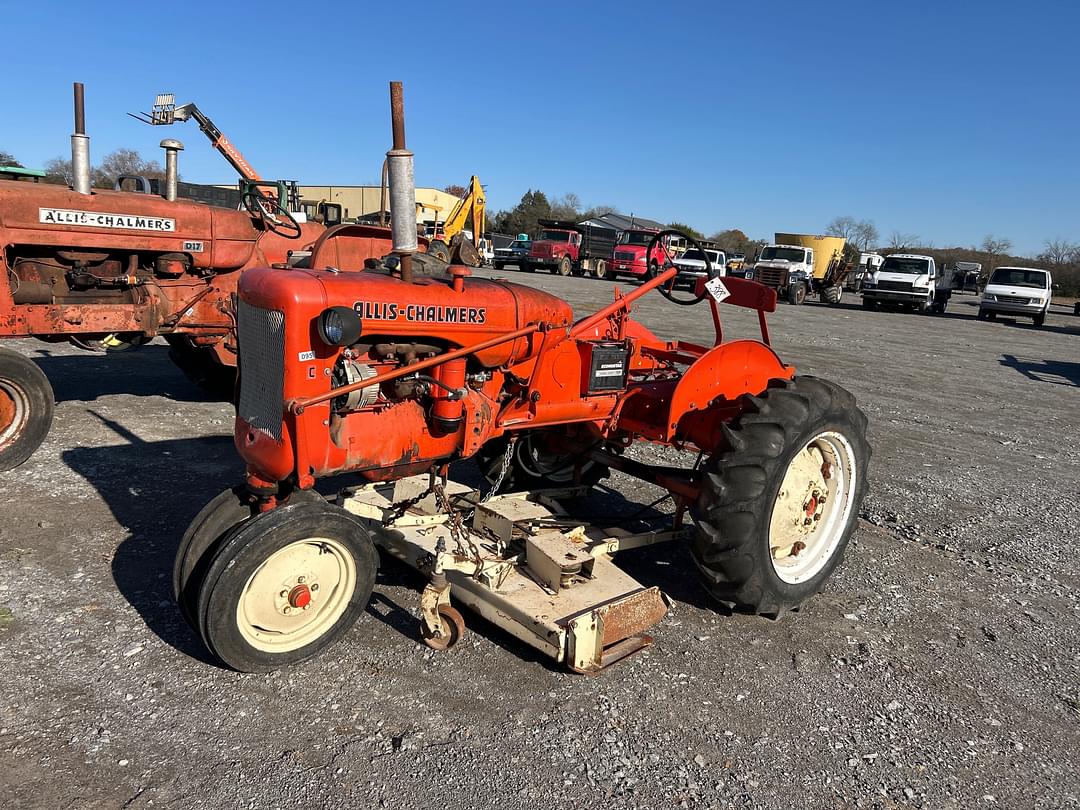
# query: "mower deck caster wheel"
453,630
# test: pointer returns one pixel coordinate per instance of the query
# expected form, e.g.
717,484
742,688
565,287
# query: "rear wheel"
202,367
285,585
439,249
534,465
832,295
26,408
600,269
778,507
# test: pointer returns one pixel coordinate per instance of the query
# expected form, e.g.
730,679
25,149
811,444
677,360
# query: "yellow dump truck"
799,264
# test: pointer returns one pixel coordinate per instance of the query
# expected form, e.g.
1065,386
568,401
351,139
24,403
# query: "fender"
724,373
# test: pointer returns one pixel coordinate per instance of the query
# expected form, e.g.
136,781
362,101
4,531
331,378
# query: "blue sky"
950,120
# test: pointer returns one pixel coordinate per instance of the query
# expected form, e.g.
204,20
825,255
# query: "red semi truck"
567,247
629,257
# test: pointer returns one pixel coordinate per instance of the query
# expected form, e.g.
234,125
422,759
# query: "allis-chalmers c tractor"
115,268
394,372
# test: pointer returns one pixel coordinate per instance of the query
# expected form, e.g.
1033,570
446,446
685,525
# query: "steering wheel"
668,290
272,214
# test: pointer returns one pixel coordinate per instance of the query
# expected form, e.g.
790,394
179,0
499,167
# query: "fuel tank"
428,307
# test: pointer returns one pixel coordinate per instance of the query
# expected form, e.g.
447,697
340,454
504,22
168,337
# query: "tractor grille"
896,286
772,276
261,334
624,255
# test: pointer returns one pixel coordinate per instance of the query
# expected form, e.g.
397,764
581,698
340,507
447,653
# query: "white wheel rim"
14,408
271,613
805,529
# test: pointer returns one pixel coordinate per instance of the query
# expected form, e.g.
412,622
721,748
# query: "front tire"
564,267
26,408
1039,320
286,585
796,294
778,507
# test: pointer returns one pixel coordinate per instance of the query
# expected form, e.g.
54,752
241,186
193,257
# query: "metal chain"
507,456
458,533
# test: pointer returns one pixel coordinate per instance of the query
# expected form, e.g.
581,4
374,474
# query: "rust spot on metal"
632,616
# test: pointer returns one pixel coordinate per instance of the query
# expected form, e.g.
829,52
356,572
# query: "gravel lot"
941,668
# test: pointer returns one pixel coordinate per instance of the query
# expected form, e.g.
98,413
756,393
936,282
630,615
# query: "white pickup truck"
905,280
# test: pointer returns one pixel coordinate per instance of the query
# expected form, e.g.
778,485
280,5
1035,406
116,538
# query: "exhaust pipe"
402,182
172,147
80,146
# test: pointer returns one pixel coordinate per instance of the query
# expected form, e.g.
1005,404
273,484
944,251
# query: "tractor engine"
305,332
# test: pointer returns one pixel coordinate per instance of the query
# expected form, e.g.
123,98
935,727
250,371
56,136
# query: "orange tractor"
395,372
112,269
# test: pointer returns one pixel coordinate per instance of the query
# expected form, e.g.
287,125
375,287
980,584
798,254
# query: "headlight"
988,297
339,326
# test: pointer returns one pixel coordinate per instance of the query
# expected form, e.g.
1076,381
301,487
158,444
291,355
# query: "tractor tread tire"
27,382
734,510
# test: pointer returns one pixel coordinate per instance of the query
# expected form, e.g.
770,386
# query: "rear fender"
723,374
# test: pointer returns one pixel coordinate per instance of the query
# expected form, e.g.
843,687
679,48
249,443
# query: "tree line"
117,163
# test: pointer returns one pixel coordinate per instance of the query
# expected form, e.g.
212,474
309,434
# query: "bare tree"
1060,251
58,171
8,159
860,233
124,162
995,246
902,241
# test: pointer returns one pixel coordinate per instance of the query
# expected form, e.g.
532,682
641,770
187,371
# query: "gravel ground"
941,667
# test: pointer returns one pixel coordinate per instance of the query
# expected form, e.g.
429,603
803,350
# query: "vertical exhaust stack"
80,146
172,149
402,182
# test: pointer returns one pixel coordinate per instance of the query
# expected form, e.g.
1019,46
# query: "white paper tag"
717,289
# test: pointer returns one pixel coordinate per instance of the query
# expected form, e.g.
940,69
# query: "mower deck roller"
540,575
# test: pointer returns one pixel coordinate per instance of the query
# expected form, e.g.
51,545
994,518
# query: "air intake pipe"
172,149
80,146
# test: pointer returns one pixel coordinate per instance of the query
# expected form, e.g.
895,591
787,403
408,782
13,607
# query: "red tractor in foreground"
393,373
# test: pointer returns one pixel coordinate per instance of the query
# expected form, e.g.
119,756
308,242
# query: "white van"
1023,291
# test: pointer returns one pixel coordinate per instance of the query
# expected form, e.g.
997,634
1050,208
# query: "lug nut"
300,579
284,594
315,586
287,610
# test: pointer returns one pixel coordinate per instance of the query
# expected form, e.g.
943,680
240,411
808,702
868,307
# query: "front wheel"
796,293
779,505
26,408
285,585
564,267
868,303
1039,319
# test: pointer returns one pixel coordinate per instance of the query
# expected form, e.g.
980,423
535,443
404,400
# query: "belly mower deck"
521,562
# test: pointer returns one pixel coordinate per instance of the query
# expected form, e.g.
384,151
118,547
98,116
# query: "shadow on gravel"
146,371
1055,372
154,489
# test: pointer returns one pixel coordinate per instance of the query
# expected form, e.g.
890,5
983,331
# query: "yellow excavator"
465,224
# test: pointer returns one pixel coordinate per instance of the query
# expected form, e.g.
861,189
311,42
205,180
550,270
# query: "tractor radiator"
261,336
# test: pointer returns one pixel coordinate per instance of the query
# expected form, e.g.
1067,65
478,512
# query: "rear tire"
26,408
600,269
832,295
753,547
251,610
202,368
439,249
533,467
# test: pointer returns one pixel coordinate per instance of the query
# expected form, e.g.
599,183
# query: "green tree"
682,226
525,216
